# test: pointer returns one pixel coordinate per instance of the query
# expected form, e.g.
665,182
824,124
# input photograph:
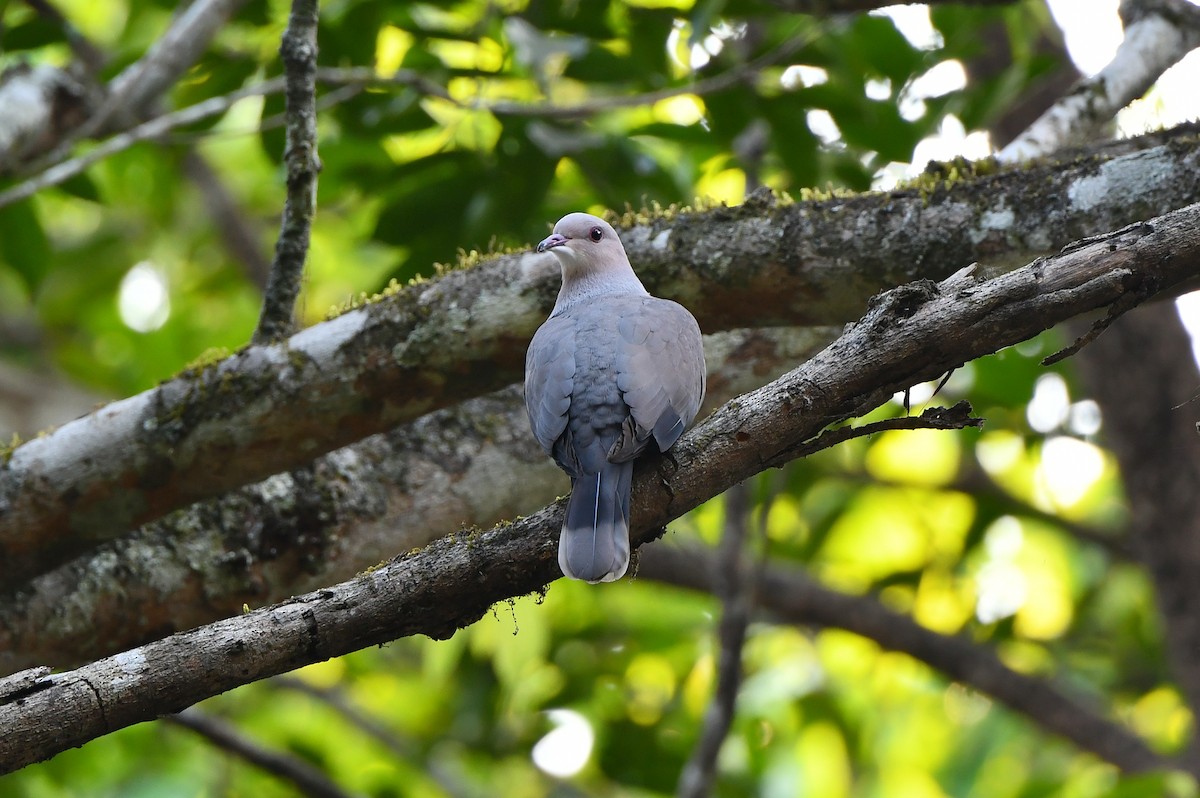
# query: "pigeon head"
584,242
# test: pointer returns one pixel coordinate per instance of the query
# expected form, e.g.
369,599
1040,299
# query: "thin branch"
710,85
133,92
336,699
943,418
910,335
1158,33
65,170
300,774
733,583
299,51
827,7
88,54
235,422
796,598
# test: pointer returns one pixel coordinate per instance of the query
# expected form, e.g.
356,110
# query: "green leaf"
23,243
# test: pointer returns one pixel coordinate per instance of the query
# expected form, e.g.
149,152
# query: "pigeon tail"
594,545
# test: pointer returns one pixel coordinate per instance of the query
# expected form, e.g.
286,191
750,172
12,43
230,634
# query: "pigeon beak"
555,240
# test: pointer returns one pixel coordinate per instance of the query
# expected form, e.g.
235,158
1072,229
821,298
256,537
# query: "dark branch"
232,225
825,7
943,418
733,584
91,56
794,597
404,749
299,51
303,776
1138,372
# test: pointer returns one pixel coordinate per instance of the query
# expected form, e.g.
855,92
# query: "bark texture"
1143,374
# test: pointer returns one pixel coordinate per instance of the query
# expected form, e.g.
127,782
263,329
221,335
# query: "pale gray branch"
1158,33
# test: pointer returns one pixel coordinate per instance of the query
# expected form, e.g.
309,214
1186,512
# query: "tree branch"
299,51
1154,441
54,171
131,94
301,775
826,7
734,585
40,103
797,599
336,699
87,53
911,334
273,408
1158,33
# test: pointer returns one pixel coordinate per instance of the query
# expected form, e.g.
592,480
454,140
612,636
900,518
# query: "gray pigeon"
610,372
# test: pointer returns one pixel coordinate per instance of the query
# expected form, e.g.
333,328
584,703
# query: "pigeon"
612,373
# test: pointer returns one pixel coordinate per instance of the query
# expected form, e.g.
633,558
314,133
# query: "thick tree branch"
791,596
911,334
41,103
272,408
389,493
1158,33
1140,372
299,51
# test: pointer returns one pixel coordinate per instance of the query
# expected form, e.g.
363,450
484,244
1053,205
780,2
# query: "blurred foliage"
969,532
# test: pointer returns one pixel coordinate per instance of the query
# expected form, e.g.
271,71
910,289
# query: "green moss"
655,212
945,175
353,303
6,450
467,259
209,357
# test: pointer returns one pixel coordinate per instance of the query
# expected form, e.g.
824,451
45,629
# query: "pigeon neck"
582,285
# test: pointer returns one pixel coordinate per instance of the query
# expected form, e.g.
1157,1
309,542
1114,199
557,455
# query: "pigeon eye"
596,234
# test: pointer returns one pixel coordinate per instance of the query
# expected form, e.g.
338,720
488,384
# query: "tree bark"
1143,374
